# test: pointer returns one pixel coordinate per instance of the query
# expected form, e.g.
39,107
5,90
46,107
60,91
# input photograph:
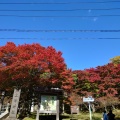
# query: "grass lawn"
80,116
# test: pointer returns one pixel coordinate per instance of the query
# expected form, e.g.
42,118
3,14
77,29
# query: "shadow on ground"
62,117
117,119
52,117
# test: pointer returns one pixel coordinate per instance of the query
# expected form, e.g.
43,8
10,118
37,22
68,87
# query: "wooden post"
63,108
38,108
57,109
37,116
0,107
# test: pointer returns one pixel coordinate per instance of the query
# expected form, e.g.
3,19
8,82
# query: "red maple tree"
102,82
32,64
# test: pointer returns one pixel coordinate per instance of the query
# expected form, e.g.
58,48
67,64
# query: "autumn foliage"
102,82
32,64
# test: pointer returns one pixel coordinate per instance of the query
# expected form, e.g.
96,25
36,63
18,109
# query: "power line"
32,30
60,2
8,10
60,38
24,16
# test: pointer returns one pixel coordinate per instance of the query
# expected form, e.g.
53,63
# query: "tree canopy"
32,64
115,60
102,82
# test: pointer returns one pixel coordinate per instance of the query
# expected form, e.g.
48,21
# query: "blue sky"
85,31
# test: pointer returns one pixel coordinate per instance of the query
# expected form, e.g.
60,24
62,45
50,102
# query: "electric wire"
9,10
24,16
58,16
74,31
62,38
92,2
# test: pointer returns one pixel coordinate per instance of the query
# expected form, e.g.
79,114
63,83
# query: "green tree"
115,60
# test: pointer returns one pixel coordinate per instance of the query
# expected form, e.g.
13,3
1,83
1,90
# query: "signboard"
88,99
74,109
14,105
48,103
